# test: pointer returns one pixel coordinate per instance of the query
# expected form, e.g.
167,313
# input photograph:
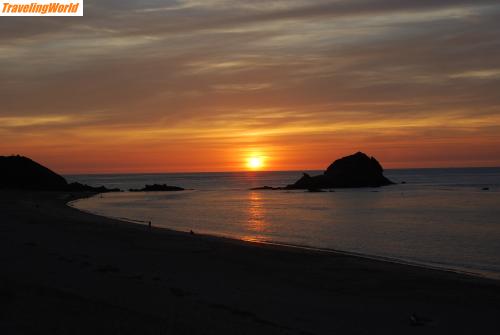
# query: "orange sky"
202,85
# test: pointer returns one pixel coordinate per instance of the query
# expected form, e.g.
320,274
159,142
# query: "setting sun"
255,162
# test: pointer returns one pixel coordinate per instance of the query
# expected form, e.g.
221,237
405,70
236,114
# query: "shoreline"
461,271
67,271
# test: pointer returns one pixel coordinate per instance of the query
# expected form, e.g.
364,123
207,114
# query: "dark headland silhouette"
357,170
19,172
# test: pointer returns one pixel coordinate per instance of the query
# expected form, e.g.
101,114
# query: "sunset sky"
203,85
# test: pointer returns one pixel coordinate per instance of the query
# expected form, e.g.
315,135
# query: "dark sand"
67,272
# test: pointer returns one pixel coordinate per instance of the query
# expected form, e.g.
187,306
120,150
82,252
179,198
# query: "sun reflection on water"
256,223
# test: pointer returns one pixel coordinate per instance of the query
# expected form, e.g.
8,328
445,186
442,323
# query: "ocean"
442,218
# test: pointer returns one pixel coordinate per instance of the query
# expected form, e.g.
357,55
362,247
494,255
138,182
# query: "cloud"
273,73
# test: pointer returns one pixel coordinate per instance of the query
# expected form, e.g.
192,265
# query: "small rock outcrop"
157,188
79,187
358,170
266,188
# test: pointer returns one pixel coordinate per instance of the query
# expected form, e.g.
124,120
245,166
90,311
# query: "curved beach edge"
66,271
258,242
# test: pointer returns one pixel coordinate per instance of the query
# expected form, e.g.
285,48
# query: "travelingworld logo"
41,8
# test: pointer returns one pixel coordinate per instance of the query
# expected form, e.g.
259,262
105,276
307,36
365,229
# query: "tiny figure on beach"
418,321
149,224
191,232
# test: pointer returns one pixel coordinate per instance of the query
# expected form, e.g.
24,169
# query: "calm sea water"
440,217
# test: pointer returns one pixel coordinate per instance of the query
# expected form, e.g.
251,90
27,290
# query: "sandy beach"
68,272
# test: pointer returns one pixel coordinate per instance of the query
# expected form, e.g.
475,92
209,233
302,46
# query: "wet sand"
68,272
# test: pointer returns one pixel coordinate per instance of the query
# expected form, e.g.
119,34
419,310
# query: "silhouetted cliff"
18,172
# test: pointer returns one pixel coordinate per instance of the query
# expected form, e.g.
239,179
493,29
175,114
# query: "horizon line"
264,171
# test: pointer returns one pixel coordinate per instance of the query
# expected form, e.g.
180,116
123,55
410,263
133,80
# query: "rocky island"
358,170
